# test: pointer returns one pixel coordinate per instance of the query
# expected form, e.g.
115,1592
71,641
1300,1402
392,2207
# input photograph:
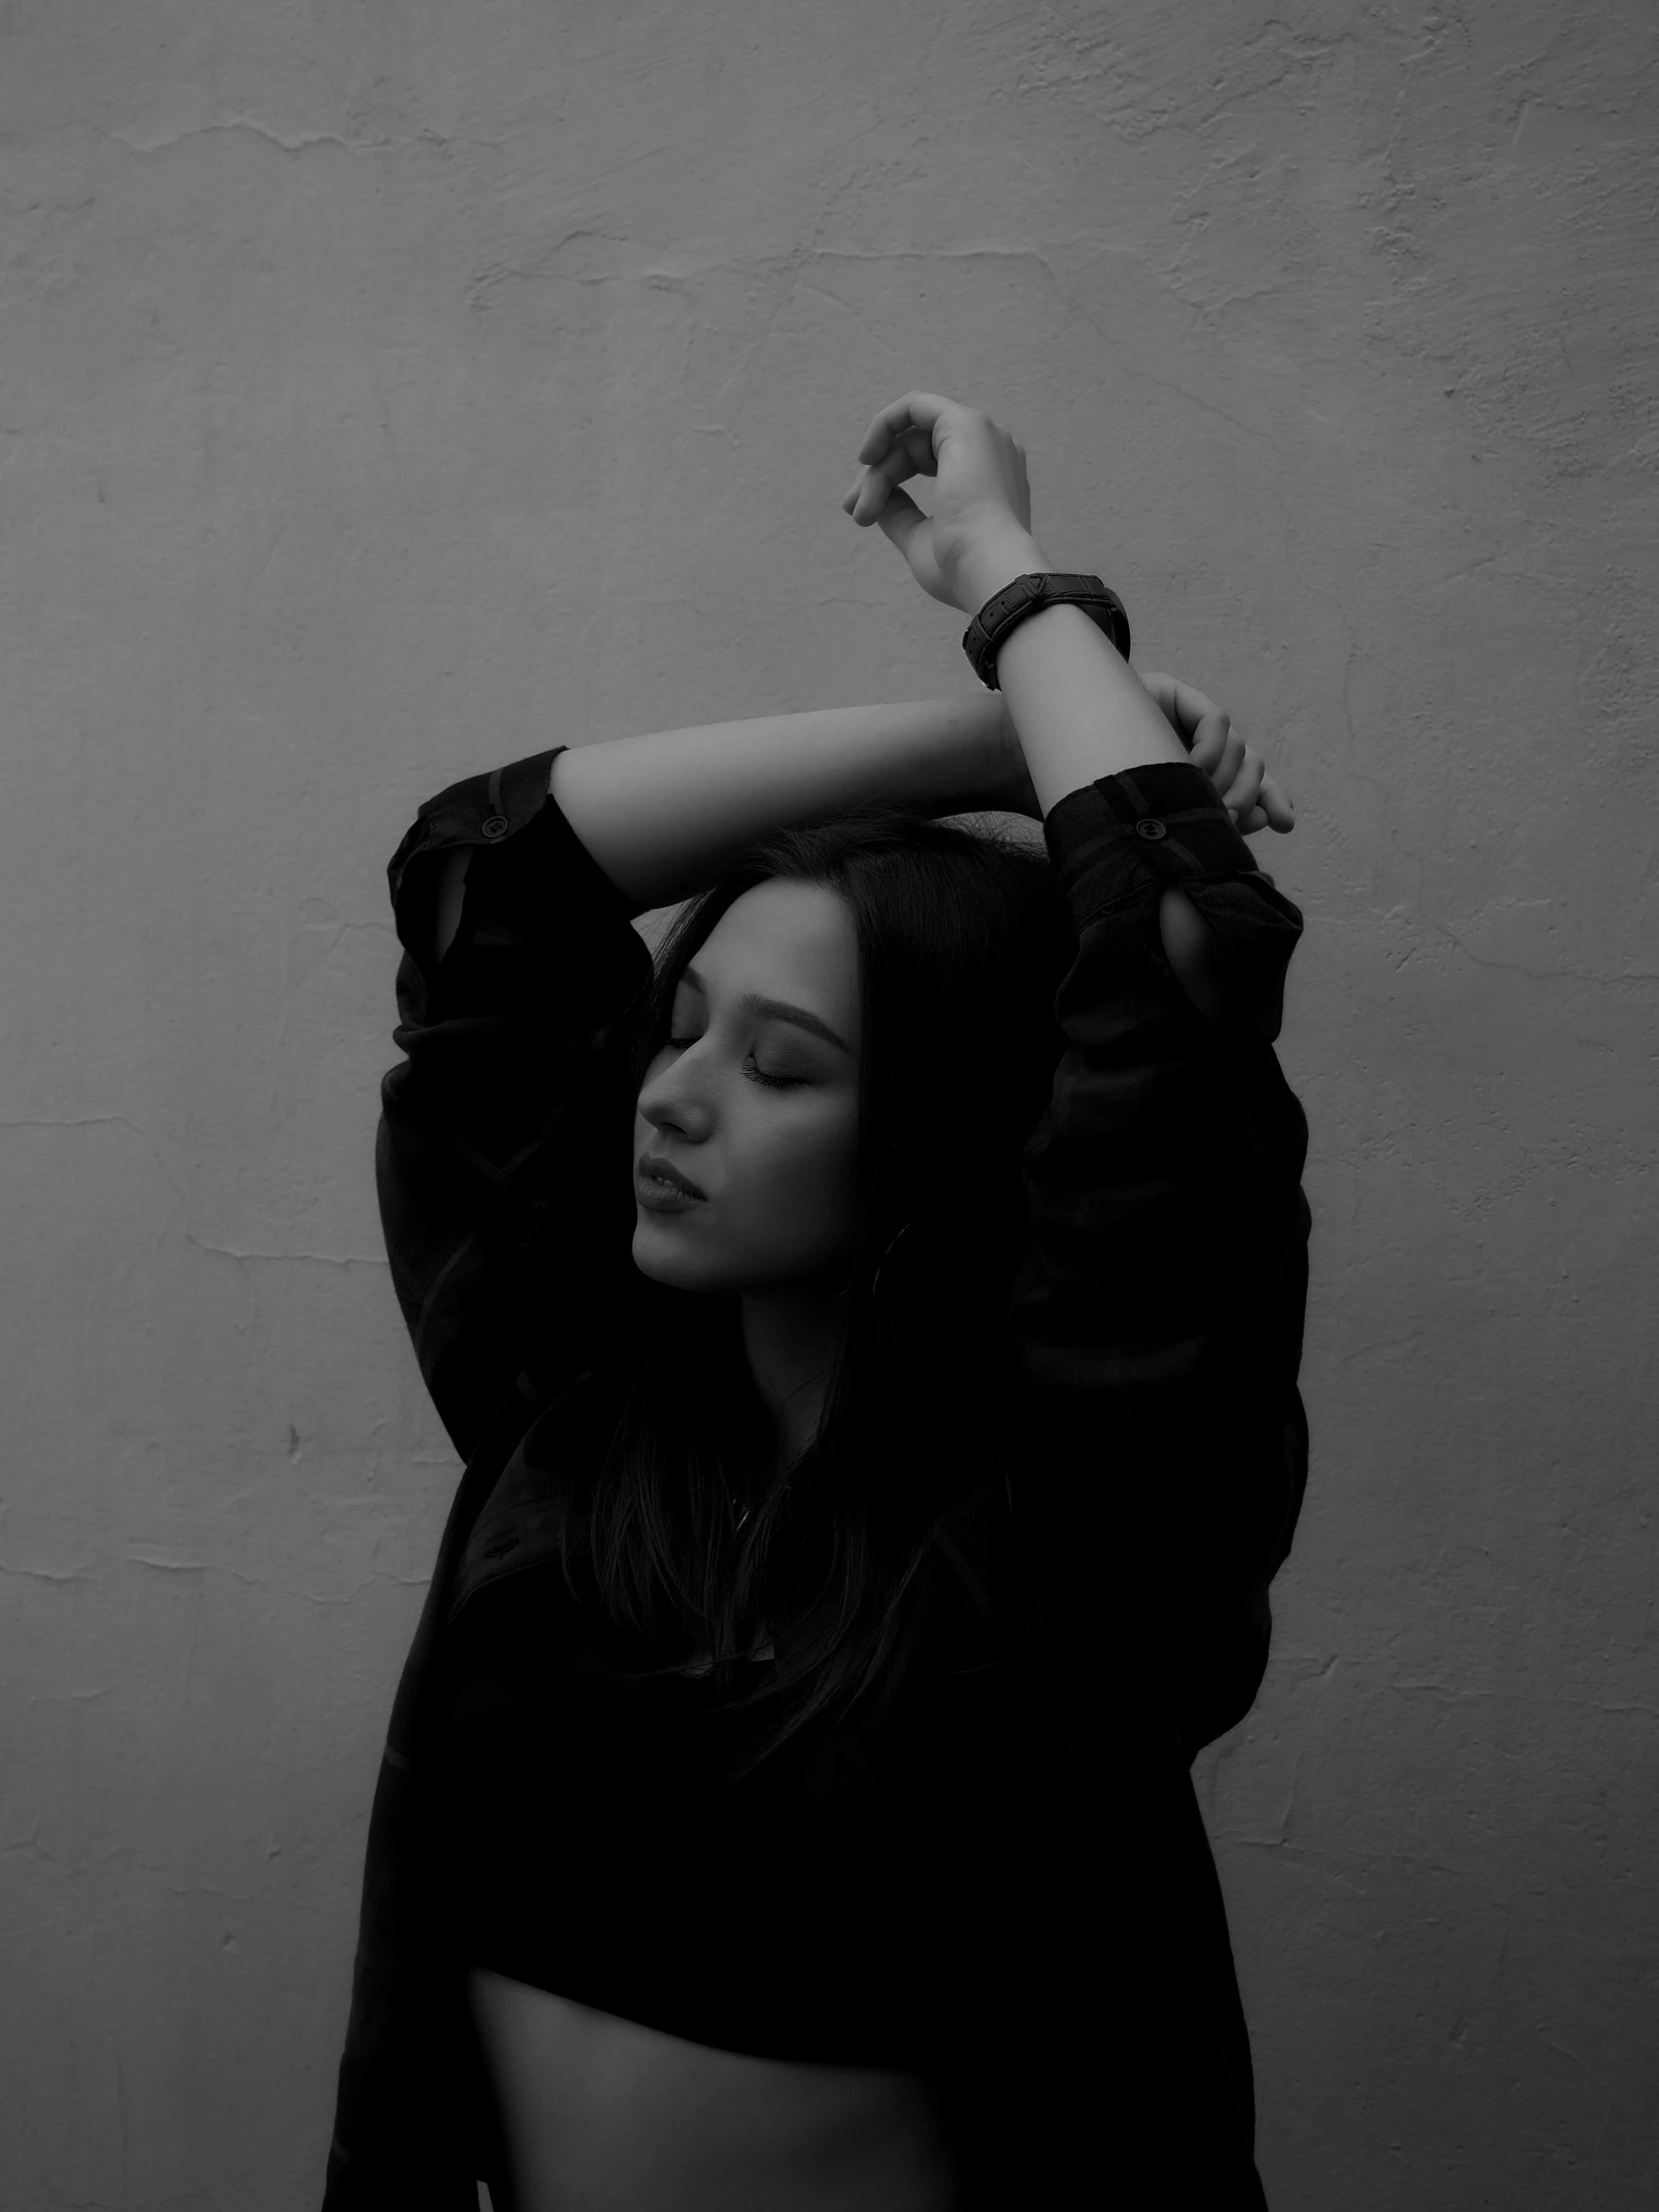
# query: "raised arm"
660,813
501,1156
513,892
1078,710
1158,1313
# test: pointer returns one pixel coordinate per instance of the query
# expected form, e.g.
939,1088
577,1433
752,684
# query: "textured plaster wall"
390,391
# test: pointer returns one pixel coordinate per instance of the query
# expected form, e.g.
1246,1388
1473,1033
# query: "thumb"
904,525
900,518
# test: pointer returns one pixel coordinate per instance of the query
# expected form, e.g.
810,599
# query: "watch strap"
1027,595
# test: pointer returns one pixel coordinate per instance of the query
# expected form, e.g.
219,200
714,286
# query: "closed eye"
755,1074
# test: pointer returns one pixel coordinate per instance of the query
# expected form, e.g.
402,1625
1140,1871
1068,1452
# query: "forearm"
1078,713
660,813
1078,709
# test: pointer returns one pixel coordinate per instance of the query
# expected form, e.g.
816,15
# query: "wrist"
993,562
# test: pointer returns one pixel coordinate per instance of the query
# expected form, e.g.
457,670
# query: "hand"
982,489
1255,800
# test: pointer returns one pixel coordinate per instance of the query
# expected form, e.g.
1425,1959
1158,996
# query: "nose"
663,1104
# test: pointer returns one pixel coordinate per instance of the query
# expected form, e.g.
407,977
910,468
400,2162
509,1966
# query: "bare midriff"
602,2114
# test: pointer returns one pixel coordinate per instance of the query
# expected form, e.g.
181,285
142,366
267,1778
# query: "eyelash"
772,1082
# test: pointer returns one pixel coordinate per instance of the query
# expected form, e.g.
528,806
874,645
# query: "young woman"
872,1334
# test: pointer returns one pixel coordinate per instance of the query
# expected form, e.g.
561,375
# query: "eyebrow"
773,1009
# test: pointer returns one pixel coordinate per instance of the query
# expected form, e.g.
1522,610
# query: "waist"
594,2107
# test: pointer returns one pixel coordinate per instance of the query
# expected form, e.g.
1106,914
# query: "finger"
870,486
911,456
1223,754
1240,795
1184,705
1208,743
900,519
1275,807
918,411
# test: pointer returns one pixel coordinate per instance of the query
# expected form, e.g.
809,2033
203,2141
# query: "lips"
653,1164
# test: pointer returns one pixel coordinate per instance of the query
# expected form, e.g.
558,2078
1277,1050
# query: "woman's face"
775,1161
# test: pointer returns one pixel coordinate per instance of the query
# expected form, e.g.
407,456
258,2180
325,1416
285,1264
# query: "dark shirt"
1006,1883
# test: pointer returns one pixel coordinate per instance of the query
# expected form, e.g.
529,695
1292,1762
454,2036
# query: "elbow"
1191,951
451,893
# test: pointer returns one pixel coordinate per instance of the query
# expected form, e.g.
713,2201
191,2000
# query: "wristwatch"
1027,595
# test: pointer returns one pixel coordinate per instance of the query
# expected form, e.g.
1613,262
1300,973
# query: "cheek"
804,1176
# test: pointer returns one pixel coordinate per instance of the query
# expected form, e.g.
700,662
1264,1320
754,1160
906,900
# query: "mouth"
656,1179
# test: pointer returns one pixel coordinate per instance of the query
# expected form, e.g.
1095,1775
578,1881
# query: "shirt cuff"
1152,825
491,812
1117,843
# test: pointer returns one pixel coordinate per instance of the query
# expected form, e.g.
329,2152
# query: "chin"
681,1271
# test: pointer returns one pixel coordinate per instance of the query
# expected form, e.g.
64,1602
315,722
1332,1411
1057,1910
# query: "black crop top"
1006,1884
593,1844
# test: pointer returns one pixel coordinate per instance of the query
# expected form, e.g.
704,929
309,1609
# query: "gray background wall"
390,391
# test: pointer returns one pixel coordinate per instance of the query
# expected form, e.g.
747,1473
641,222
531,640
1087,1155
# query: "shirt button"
1152,830
495,825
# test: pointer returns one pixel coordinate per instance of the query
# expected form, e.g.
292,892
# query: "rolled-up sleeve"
501,1158
1157,1316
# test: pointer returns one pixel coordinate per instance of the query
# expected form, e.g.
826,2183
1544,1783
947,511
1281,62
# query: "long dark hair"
962,943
